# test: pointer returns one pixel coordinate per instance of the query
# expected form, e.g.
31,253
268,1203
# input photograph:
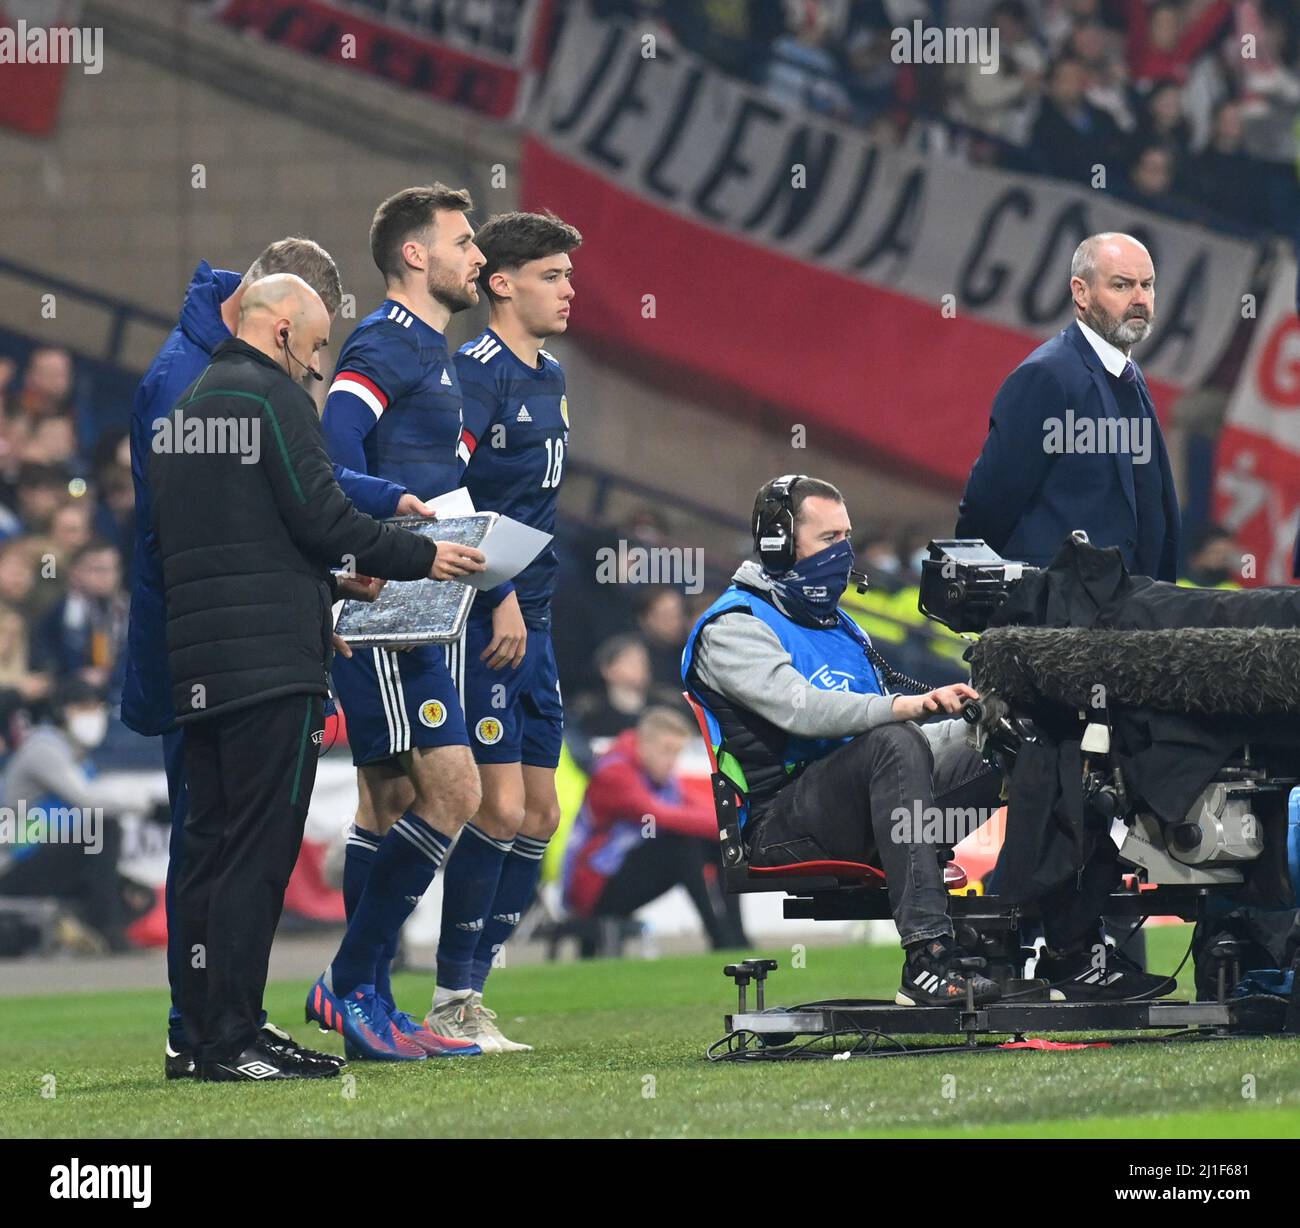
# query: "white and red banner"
1257,464
468,52
876,295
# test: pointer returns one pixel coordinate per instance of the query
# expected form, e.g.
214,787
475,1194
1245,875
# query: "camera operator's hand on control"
455,561
942,699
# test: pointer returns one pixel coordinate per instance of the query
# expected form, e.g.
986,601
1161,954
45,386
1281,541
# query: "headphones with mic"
284,345
773,526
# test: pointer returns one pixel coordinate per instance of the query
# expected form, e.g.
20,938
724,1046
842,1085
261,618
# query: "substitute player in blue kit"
394,411
516,433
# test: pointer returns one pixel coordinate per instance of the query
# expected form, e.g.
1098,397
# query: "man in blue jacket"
208,318
1074,442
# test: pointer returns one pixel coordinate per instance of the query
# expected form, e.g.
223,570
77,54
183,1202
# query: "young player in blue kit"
394,411
516,433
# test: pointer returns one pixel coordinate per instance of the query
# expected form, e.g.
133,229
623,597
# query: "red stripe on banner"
879,371
468,440
368,383
32,93
316,28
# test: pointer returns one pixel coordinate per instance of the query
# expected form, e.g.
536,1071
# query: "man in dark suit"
1074,442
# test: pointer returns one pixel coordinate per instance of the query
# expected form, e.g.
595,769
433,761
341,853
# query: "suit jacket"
1024,500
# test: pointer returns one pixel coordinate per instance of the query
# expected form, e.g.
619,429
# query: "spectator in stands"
1164,38
47,385
1070,135
75,862
114,512
1101,53
661,620
1223,180
1214,558
638,835
41,491
52,440
803,71
83,635
995,102
1161,119
18,576
877,557
624,666
1149,181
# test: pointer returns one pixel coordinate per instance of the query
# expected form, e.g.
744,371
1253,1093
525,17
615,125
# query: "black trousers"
854,805
655,867
250,776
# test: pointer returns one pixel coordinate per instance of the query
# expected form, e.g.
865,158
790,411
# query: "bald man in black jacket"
250,521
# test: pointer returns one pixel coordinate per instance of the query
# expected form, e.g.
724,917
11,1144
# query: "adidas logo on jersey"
523,415
446,379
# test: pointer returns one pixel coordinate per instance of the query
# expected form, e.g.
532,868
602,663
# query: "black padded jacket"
249,521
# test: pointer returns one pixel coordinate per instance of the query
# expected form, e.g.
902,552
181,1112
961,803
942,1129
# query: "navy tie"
1130,373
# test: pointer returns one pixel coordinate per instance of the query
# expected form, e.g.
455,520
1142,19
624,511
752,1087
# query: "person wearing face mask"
52,768
833,767
800,713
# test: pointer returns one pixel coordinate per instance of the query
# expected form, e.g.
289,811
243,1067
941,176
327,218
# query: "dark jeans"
874,800
656,866
87,882
250,776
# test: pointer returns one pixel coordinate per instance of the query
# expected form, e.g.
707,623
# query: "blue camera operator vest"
758,757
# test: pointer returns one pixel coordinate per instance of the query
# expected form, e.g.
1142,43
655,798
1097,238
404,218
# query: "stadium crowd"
1190,105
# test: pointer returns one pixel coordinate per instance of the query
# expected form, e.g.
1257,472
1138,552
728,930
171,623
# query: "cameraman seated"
828,760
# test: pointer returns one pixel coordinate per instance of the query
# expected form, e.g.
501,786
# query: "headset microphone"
284,345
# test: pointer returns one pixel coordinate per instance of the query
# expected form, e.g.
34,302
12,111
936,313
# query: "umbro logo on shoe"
258,1070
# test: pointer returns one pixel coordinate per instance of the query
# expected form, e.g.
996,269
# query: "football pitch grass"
620,1053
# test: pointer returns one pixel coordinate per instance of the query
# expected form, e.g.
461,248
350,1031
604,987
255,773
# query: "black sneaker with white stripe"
933,976
1099,974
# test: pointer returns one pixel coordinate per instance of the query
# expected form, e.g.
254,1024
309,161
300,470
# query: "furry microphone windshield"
1203,671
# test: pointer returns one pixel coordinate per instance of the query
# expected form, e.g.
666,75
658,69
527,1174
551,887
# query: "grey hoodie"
740,657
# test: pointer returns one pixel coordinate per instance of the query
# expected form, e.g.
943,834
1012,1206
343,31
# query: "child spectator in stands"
84,634
638,835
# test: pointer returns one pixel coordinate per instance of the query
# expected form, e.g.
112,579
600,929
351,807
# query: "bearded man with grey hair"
1074,442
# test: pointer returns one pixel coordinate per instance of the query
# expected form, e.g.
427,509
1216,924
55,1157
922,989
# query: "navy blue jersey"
516,432
394,407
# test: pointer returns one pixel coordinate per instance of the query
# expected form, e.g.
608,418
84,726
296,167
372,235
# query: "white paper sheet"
454,503
509,547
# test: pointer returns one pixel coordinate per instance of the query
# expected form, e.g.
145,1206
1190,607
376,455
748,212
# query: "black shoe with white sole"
179,1063
259,1063
1099,974
934,975
280,1040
